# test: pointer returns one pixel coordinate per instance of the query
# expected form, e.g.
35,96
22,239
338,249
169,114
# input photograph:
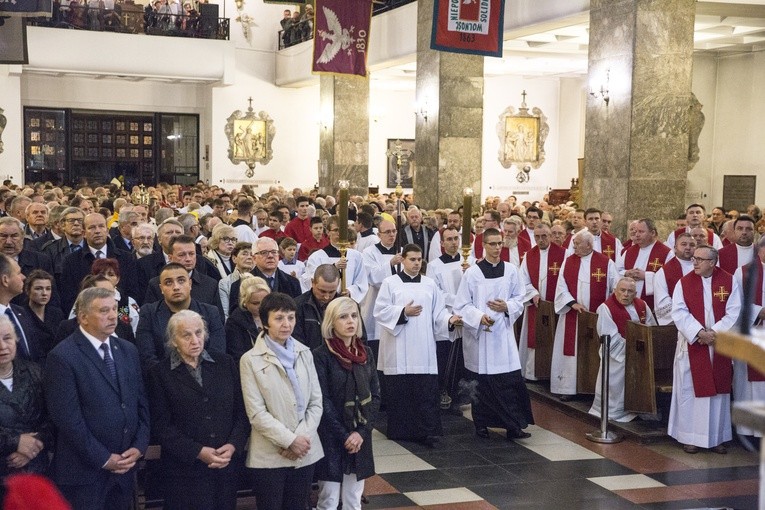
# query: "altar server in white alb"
705,302
355,275
539,274
490,299
588,278
621,307
446,271
411,315
748,383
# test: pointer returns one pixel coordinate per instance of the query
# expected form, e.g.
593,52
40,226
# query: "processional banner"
468,26
341,36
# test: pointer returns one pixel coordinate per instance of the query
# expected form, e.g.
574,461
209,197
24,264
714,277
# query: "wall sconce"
603,92
421,109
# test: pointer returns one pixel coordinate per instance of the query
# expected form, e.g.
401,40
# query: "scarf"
287,357
357,397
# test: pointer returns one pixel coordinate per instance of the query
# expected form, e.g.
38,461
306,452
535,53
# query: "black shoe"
482,432
517,434
566,398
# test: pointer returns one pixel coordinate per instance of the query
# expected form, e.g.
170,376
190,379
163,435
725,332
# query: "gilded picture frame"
522,137
250,136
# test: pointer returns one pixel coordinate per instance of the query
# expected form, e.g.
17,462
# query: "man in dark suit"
175,285
96,400
76,266
312,304
11,285
203,288
12,245
266,254
72,239
123,238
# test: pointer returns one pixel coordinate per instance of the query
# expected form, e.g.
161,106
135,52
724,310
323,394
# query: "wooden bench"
649,359
587,353
545,333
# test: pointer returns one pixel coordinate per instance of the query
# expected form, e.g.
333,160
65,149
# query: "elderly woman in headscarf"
351,394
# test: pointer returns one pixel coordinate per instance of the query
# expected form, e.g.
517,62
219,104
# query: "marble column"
637,117
449,128
344,133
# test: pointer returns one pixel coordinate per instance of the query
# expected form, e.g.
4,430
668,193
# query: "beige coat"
271,406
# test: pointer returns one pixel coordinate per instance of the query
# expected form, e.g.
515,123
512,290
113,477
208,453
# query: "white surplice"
355,274
447,276
377,267
662,297
699,421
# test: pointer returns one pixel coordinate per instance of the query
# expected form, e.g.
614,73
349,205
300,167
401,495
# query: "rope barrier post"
603,435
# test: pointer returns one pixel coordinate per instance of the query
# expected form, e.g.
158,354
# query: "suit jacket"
203,289
95,416
56,251
34,336
152,325
150,266
76,266
37,244
120,243
284,283
186,416
29,260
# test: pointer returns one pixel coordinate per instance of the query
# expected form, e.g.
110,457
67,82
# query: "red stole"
599,267
478,246
728,258
524,245
754,375
725,242
710,234
555,256
673,271
655,262
608,245
714,377
525,235
621,316
626,245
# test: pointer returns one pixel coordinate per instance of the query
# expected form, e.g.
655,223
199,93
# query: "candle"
342,211
467,213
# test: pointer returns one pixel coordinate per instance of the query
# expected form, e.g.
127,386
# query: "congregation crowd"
235,329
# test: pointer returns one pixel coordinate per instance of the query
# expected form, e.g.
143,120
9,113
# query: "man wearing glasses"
72,240
705,301
266,254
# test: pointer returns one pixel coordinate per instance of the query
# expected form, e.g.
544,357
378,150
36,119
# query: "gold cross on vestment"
554,269
722,294
655,265
608,252
598,275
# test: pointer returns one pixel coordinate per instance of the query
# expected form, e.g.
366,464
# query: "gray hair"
6,321
87,296
585,235
179,317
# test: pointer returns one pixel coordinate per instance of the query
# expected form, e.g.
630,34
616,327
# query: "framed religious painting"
249,136
522,135
400,162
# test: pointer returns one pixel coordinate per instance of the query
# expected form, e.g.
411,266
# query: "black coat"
284,283
46,329
37,350
203,288
308,320
23,411
241,332
29,260
332,430
150,266
186,416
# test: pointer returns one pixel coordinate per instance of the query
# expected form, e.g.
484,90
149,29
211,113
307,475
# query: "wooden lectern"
587,353
649,357
545,339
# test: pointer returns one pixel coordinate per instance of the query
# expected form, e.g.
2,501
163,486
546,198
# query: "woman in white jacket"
283,400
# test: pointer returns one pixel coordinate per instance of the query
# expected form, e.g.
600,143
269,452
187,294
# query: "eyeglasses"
334,230
699,259
72,221
391,231
228,239
494,244
267,253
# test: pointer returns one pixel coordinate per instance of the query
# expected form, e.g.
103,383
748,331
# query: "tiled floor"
557,467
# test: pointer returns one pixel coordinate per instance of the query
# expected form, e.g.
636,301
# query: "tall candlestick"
342,210
467,213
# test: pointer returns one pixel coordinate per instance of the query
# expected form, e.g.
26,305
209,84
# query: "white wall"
12,157
391,115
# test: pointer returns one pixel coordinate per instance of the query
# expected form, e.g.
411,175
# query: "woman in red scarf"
351,395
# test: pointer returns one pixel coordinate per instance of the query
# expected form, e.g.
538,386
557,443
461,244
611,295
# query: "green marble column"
344,133
449,128
636,144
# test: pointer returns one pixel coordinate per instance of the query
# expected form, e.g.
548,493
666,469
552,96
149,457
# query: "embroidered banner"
341,36
468,26
26,8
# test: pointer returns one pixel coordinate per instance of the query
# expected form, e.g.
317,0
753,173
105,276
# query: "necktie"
20,338
108,361
99,254
129,245
74,247
270,281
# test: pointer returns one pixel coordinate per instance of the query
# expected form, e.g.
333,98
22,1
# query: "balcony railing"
133,19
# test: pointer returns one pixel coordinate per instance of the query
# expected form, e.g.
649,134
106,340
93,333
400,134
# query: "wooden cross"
250,101
608,252
554,269
598,275
523,95
655,265
722,294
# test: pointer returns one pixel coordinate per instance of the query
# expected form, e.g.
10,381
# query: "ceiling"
721,27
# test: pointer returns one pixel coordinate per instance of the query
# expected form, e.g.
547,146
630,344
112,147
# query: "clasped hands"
121,463
29,448
412,310
217,458
298,449
706,336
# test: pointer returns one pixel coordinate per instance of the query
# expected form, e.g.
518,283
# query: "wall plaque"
739,191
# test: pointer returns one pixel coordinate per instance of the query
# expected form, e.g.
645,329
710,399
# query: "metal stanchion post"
603,435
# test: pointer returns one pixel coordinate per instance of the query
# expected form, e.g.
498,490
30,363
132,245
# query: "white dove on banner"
339,37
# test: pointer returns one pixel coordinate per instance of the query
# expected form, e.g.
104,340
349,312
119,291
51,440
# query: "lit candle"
467,213
342,211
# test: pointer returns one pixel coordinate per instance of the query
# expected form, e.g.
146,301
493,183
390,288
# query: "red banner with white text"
468,26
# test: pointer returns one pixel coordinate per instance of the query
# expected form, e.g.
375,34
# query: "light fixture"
603,92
